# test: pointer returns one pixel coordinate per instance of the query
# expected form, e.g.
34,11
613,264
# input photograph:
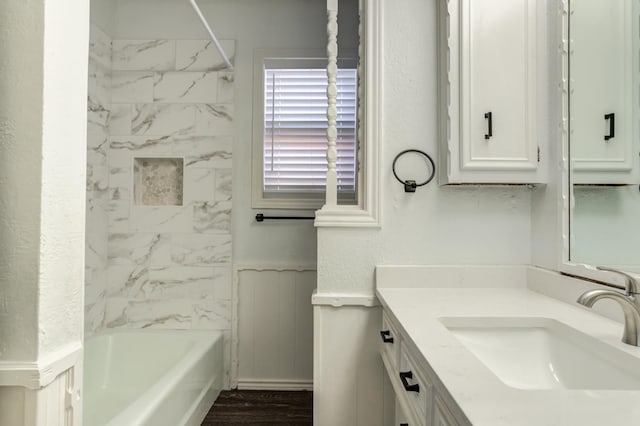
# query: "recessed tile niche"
158,181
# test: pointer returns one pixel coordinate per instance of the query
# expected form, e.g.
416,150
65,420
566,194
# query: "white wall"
434,225
43,126
253,24
21,85
43,77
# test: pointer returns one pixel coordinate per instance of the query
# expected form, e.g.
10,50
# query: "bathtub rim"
146,403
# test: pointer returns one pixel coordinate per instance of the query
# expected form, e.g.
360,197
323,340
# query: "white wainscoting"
272,346
56,404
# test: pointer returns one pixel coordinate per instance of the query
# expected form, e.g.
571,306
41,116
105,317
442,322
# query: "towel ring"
411,185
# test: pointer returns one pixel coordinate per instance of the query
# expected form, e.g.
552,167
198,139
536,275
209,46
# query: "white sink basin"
541,353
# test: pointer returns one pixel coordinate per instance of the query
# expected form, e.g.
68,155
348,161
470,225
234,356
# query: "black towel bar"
261,217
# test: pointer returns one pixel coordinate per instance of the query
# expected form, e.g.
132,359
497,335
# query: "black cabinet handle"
404,375
611,117
404,424
385,336
489,117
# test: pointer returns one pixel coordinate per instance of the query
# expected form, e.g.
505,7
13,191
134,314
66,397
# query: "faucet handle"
632,282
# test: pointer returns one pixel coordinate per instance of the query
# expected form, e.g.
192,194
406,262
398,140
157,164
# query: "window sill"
345,217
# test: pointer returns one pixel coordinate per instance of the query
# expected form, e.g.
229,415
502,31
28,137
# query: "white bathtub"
151,377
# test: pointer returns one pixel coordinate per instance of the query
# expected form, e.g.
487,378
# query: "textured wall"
21,85
43,81
43,135
64,130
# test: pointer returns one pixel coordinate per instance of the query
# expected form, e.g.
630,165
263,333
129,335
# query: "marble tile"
225,87
98,84
199,184
96,247
168,314
212,217
212,316
214,119
200,249
120,119
120,176
97,127
206,151
132,87
185,87
119,207
127,280
99,45
115,315
148,249
122,149
223,184
158,181
163,119
143,55
94,314
171,282
96,285
222,283
202,55
161,219
97,170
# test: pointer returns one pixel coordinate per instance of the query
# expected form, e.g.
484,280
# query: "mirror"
604,99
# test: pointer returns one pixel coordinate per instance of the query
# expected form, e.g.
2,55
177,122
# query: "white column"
332,112
361,100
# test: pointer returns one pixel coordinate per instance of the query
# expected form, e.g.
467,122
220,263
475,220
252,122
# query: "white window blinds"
295,132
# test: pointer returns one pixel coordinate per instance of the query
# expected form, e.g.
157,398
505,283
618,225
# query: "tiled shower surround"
168,254
98,111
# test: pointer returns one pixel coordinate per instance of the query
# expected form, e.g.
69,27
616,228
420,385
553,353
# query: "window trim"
260,57
368,212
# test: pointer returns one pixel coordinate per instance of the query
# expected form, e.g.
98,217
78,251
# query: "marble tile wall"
98,112
169,266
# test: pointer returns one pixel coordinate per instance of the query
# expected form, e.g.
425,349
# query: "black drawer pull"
404,424
489,117
385,336
611,118
404,375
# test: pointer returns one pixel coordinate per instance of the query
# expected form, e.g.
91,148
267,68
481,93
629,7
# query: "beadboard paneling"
274,327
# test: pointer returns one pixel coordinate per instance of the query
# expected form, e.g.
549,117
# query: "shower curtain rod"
211,34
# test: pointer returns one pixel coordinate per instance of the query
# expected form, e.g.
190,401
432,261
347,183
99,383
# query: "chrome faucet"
629,301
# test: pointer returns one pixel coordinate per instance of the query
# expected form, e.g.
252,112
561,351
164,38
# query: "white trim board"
40,373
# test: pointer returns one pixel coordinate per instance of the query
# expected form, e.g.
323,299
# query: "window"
290,133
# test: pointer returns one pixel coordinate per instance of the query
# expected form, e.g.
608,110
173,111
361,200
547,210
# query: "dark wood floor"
261,408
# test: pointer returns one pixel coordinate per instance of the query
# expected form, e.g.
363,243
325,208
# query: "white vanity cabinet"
604,146
487,92
419,400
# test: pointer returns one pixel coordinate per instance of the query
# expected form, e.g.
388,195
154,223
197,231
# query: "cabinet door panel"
600,63
498,49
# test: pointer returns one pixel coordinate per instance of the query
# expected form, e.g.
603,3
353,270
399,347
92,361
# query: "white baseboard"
277,385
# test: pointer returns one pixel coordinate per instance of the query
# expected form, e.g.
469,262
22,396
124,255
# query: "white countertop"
485,400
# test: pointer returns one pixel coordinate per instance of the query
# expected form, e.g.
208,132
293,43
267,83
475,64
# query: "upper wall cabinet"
602,65
487,92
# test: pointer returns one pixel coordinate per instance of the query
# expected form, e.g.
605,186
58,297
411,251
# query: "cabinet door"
498,85
601,65
441,414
